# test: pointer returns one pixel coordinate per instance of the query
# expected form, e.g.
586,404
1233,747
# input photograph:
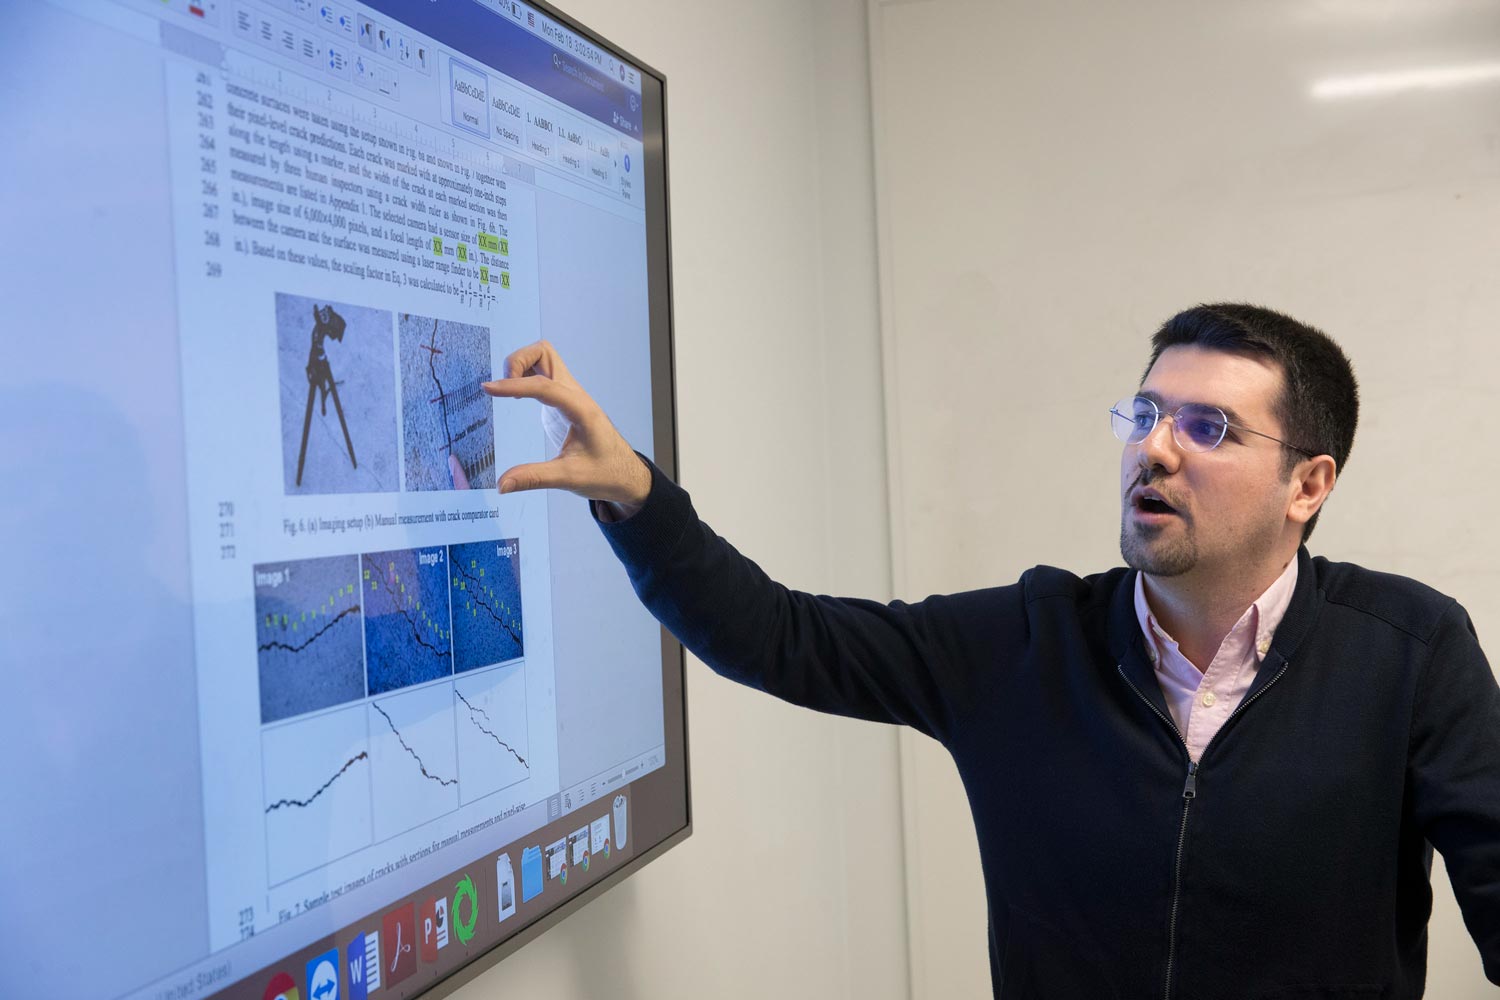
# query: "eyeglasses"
1195,426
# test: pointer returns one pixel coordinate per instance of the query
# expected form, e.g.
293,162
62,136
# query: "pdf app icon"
434,927
399,928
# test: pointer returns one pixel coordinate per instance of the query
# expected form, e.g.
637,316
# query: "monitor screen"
299,704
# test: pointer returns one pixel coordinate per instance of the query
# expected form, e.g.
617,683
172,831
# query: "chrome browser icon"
282,987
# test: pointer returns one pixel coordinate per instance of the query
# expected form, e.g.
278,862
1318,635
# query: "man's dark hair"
1319,404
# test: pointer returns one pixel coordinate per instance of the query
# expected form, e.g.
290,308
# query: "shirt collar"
1266,613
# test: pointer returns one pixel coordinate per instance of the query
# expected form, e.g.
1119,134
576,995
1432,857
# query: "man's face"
1228,505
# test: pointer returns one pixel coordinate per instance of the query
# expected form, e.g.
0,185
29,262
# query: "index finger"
540,356
565,398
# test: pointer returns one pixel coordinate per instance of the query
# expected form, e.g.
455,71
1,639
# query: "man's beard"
1147,548
1157,556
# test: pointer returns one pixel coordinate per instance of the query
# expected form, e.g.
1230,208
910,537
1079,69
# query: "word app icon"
362,960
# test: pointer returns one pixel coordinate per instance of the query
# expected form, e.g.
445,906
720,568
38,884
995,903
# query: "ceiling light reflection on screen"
1402,81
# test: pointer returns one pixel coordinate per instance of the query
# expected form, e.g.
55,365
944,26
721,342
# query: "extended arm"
891,663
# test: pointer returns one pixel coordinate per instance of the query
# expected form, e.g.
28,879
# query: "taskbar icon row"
418,932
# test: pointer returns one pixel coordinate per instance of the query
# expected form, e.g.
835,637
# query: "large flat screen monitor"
297,703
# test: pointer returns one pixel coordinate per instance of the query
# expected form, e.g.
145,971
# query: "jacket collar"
1128,646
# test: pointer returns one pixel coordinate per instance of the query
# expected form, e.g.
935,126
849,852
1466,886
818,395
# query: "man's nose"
1159,448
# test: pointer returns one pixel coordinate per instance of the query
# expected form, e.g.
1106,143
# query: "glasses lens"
1132,418
1199,427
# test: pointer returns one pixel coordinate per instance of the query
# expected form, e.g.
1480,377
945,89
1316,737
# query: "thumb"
533,476
456,470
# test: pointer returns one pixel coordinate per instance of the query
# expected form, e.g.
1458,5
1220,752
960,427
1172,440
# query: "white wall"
1055,180
791,885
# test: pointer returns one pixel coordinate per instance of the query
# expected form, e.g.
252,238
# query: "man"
1216,773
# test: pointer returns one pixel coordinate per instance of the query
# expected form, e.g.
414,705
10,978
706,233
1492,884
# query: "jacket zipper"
1189,793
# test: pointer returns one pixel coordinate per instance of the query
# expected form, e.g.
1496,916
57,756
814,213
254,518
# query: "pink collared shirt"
1202,702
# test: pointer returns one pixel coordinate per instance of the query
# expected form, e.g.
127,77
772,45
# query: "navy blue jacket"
1291,861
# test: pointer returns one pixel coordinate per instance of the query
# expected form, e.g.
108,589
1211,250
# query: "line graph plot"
486,581
476,714
493,741
304,803
414,766
309,644
443,410
410,752
317,791
407,630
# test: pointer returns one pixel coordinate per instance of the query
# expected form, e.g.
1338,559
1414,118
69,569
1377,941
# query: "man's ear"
1312,480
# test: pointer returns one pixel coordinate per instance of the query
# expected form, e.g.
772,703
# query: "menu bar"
500,35
567,40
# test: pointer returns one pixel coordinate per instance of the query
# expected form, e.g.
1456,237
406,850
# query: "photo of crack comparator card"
443,410
338,397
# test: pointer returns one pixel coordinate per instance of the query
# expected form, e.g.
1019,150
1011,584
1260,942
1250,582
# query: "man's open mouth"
1151,502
